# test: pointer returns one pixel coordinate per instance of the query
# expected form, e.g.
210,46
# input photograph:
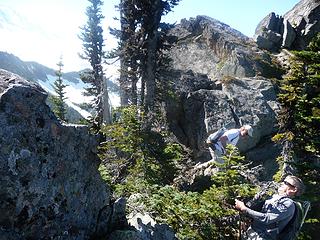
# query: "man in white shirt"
217,149
231,136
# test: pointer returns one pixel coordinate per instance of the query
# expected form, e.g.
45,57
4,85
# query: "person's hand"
208,143
240,205
224,141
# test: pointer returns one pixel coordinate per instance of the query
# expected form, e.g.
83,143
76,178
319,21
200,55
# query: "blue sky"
242,15
50,27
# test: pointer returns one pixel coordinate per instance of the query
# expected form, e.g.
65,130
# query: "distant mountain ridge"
45,76
31,71
34,71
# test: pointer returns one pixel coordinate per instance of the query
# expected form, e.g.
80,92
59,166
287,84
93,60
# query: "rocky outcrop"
294,30
207,46
268,34
50,185
289,35
220,78
305,19
205,106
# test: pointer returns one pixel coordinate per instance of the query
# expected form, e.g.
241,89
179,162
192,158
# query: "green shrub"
300,120
133,155
207,215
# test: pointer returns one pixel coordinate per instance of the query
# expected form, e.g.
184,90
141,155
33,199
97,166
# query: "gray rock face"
294,30
305,19
50,185
207,46
269,40
220,79
268,34
204,108
148,229
289,35
125,235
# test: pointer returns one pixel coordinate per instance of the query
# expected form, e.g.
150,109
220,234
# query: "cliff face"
221,78
50,185
209,47
305,19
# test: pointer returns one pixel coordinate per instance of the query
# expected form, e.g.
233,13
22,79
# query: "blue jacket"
274,216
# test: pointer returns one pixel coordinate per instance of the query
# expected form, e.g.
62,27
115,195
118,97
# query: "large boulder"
204,106
50,184
289,34
268,34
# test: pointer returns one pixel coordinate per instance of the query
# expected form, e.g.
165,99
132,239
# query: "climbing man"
218,141
276,211
232,136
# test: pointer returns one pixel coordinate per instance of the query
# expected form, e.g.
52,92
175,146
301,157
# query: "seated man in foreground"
276,211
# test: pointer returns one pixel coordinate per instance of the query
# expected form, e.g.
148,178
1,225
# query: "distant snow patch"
73,94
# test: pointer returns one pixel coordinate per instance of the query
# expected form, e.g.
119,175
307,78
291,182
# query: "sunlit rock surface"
50,187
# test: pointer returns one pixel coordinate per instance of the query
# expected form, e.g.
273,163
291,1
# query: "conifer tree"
140,47
129,53
300,116
151,19
300,121
92,38
59,101
300,97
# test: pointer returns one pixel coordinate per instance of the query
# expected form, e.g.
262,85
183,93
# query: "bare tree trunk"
106,108
151,66
150,76
143,87
288,159
123,82
134,90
